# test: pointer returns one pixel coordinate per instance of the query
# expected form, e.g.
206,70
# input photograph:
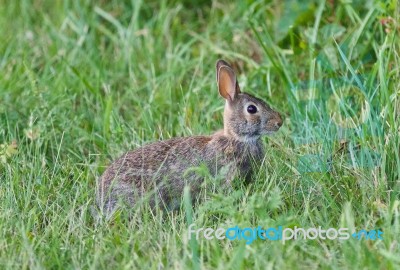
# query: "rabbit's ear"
227,85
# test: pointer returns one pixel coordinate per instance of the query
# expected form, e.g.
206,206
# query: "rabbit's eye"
251,109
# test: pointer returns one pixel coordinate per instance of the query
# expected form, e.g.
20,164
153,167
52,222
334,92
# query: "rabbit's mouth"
269,130
272,126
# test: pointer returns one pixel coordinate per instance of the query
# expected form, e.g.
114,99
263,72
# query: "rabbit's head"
246,117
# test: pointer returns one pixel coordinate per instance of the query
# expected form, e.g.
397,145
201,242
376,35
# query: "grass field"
83,81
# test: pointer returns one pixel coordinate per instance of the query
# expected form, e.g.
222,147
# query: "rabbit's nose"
278,122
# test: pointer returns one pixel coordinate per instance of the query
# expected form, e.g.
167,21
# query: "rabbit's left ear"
228,86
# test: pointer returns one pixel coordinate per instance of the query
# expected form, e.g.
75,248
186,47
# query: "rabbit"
164,167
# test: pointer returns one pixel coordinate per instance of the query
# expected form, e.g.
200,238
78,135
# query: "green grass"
83,81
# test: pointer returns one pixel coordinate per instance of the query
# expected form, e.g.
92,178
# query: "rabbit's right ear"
227,85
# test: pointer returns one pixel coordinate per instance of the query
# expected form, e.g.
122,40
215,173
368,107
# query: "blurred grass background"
81,82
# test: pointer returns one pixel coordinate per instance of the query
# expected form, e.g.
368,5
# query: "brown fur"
163,168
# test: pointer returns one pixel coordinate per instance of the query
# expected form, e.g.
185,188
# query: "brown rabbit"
163,167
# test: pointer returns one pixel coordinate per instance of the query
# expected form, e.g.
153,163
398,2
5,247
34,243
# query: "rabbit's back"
159,167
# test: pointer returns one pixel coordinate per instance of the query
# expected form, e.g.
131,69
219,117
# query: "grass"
83,81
